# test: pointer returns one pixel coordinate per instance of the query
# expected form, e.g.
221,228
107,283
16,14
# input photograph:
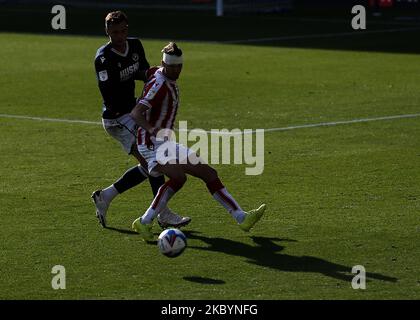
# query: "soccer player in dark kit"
118,64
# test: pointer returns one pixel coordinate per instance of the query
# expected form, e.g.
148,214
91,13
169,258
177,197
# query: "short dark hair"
172,49
115,17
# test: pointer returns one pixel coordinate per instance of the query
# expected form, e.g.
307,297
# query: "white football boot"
101,207
166,218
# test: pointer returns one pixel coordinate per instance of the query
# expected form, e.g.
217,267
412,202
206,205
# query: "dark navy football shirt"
116,73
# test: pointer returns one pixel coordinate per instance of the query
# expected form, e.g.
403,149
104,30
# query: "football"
172,242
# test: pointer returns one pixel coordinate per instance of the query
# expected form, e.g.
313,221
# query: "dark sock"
130,178
156,183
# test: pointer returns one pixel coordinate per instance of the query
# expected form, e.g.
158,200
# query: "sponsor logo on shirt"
128,72
152,91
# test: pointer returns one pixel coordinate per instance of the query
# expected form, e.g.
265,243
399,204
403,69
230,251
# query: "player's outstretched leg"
252,217
246,220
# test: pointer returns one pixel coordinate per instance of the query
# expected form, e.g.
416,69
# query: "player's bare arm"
138,114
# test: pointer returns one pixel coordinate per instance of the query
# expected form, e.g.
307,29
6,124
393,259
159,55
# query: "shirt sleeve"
150,72
153,95
106,77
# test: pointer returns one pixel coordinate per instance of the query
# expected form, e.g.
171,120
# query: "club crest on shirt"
135,57
103,75
102,59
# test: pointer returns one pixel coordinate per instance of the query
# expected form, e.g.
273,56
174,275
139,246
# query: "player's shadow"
124,231
267,253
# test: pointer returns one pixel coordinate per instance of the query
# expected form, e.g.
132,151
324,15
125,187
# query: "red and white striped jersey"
161,95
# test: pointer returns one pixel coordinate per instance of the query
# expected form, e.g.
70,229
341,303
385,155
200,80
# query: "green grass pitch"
337,196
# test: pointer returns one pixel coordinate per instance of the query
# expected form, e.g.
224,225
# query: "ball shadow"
203,280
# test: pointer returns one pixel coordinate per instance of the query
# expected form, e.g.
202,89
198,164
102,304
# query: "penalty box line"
313,125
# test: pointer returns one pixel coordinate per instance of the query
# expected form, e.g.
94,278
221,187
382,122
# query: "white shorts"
166,152
123,129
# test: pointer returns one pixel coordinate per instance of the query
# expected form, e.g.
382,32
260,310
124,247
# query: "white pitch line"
320,35
213,131
47,119
335,123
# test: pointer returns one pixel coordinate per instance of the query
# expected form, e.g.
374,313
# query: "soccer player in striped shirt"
155,114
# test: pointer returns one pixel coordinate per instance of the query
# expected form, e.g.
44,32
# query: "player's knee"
208,174
212,173
180,178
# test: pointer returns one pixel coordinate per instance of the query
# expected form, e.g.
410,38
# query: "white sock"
148,216
109,193
159,203
239,215
227,201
